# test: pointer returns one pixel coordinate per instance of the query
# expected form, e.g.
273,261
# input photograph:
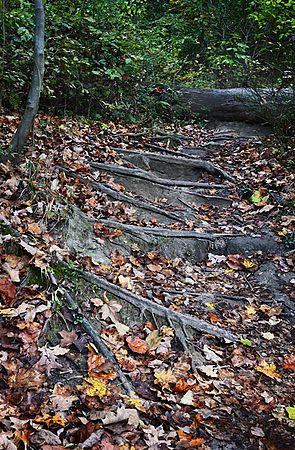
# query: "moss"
4,229
37,277
65,271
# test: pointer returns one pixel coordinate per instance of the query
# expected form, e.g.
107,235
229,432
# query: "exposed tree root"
119,196
94,334
164,232
177,319
189,163
142,174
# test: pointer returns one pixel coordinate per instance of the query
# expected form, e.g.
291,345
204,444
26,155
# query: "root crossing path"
181,272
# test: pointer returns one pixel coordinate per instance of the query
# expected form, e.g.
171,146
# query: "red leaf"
7,291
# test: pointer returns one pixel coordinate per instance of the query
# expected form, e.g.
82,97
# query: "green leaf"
258,197
291,412
246,342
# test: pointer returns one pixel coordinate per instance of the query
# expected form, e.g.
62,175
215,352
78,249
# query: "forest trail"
171,256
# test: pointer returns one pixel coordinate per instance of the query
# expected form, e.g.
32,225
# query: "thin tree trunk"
20,137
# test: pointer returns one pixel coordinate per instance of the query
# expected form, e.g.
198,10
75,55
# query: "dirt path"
169,259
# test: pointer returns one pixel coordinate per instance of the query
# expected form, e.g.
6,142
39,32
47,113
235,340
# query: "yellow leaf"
210,305
268,369
6,311
283,232
50,420
137,403
97,388
250,311
248,264
165,378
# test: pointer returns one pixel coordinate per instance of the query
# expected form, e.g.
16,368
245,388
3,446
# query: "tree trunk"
242,105
20,137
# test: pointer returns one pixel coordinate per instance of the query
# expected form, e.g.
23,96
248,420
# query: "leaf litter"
58,391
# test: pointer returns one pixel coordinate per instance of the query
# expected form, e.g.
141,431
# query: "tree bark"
20,137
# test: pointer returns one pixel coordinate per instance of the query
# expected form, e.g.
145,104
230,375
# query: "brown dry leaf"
271,310
125,282
35,229
289,362
137,345
154,339
7,291
234,262
49,360
197,442
165,378
26,379
98,367
154,267
109,311
122,414
183,385
68,337
268,369
30,332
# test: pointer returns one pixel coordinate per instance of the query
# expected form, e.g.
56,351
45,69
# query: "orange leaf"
289,362
183,386
197,442
137,345
183,435
23,435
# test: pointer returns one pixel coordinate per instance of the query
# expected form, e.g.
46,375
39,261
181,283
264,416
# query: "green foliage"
103,57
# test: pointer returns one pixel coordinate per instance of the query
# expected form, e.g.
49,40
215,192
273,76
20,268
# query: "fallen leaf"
268,369
291,412
50,421
165,378
7,291
259,197
268,336
122,414
289,362
34,229
96,387
188,399
137,345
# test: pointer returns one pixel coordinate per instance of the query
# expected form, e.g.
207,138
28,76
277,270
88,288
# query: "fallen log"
239,104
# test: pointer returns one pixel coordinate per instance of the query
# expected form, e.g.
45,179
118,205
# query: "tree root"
119,196
198,164
179,320
164,232
142,174
94,334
